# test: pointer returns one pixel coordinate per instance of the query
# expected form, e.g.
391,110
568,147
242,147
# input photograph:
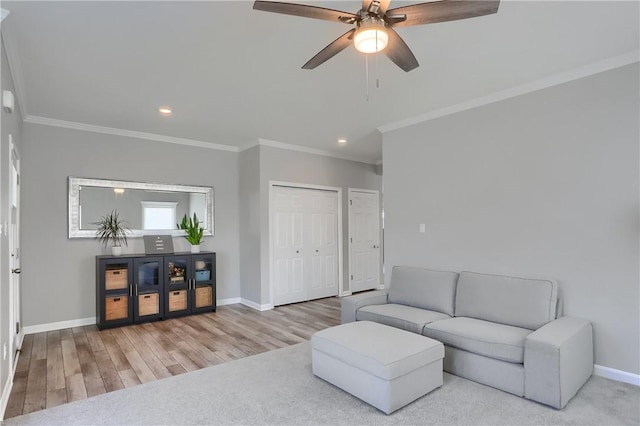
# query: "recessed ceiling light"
342,140
165,110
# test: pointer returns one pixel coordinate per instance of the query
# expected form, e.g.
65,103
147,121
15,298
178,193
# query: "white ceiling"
232,74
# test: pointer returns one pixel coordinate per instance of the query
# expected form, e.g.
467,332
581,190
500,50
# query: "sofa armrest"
351,304
558,360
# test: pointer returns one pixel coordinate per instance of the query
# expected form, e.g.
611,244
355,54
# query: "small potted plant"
112,229
194,231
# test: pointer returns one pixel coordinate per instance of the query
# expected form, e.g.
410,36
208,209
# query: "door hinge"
351,277
350,202
350,240
17,327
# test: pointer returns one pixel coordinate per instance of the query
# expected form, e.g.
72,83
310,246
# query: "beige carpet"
278,388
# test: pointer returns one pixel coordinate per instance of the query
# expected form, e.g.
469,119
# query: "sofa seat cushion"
499,341
399,316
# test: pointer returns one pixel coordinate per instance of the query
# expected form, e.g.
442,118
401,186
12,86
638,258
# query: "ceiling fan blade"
443,11
306,11
335,47
398,51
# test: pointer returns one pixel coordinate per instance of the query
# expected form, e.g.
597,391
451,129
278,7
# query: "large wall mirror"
148,208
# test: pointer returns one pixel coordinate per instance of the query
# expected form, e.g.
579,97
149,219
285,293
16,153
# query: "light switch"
423,228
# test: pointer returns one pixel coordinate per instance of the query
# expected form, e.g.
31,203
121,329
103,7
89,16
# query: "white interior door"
323,248
304,244
14,250
364,240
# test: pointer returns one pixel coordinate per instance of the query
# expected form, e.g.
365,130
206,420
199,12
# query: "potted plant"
112,229
194,231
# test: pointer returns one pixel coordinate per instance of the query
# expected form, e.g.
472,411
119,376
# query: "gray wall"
297,167
249,166
545,184
59,273
11,124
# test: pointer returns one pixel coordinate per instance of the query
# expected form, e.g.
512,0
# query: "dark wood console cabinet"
140,288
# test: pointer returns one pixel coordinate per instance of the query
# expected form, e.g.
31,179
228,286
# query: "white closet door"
364,240
304,244
323,276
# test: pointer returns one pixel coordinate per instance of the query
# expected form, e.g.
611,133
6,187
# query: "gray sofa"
504,332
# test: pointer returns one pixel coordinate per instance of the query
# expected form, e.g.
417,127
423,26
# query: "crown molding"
554,80
34,119
290,147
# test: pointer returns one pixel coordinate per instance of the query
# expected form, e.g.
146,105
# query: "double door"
304,244
189,285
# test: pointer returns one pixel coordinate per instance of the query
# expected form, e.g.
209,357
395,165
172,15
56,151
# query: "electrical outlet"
4,352
423,228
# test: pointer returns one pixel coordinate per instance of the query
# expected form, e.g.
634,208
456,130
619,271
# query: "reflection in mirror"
147,208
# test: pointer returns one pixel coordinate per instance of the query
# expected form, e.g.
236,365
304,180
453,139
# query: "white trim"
32,329
257,306
3,14
617,375
306,150
340,241
44,121
248,146
230,301
34,119
554,80
345,294
6,392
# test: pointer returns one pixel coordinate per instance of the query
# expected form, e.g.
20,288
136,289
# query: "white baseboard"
32,329
230,301
256,306
617,375
6,391
345,293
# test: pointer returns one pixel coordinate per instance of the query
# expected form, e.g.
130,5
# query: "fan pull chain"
366,74
377,74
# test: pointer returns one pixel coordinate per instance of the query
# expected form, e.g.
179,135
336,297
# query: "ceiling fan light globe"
371,40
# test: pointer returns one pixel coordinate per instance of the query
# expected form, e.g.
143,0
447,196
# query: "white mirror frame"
74,204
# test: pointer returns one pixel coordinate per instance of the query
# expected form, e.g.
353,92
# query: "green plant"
112,228
193,229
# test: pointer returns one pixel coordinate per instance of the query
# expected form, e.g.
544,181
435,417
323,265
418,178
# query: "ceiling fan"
374,24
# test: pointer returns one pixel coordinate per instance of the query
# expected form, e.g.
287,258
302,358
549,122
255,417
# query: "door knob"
297,251
16,271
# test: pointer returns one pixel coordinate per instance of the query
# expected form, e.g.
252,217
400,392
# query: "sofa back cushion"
521,302
423,288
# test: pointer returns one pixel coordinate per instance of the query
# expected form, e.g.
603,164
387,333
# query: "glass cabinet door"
204,266
148,288
178,271
114,292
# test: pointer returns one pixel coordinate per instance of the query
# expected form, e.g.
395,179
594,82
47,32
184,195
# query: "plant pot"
195,248
116,250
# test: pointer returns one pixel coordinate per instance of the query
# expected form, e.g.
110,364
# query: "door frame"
15,342
340,241
350,191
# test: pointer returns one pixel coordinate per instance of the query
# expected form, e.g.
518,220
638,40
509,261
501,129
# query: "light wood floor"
61,366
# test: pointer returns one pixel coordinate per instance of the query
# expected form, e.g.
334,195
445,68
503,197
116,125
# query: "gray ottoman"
383,366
